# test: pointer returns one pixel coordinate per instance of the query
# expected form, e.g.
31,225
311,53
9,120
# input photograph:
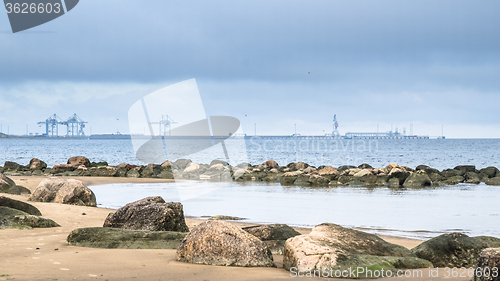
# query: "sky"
273,64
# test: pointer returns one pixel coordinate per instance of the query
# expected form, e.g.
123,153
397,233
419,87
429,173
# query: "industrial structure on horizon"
75,129
74,126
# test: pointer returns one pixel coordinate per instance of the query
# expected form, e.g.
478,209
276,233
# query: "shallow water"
412,213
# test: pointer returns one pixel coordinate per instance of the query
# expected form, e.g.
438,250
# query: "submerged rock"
221,243
225,218
112,238
334,247
151,213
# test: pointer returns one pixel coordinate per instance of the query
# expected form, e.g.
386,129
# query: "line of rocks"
299,173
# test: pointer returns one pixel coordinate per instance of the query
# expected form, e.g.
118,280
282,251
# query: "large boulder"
12,166
452,250
181,164
63,191
150,213
417,179
13,218
488,265
19,205
76,161
273,235
221,243
37,164
113,238
336,248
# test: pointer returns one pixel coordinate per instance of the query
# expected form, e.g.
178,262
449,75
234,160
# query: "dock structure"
52,125
74,124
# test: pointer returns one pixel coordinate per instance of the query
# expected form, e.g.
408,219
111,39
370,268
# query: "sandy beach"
43,254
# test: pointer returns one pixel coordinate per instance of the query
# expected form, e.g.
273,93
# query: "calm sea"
440,154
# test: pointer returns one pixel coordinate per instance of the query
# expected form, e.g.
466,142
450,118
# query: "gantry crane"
51,125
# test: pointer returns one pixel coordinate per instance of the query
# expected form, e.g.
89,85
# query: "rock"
399,174
12,166
471,177
225,218
6,183
365,166
61,168
67,191
19,205
345,167
451,250
35,221
18,190
134,172
273,235
13,218
417,179
297,166
79,160
37,164
436,177
391,166
492,181
328,170
151,171
492,242
217,172
334,247
448,173
123,166
166,164
151,213
427,169
214,162
488,260
221,243
192,167
363,173
181,164
310,170
239,173
269,164
489,172
115,238
466,168
101,171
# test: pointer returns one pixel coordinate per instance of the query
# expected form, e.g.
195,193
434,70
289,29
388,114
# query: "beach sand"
55,260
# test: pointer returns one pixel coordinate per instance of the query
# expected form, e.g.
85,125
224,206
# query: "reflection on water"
417,213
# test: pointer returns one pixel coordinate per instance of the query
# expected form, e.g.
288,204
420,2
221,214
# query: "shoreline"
56,260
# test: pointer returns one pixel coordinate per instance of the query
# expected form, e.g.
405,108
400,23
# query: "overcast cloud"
371,62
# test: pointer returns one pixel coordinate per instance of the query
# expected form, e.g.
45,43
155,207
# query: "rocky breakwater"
336,251
299,173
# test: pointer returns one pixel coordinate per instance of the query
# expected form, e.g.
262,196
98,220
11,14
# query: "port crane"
335,132
52,125
164,125
75,126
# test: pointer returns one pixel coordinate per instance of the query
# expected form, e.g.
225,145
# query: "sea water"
405,212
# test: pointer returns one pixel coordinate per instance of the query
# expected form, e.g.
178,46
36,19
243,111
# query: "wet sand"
55,260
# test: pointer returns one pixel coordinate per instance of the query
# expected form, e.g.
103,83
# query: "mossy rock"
12,218
225,218
362,264
453,250
19,205
116,238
